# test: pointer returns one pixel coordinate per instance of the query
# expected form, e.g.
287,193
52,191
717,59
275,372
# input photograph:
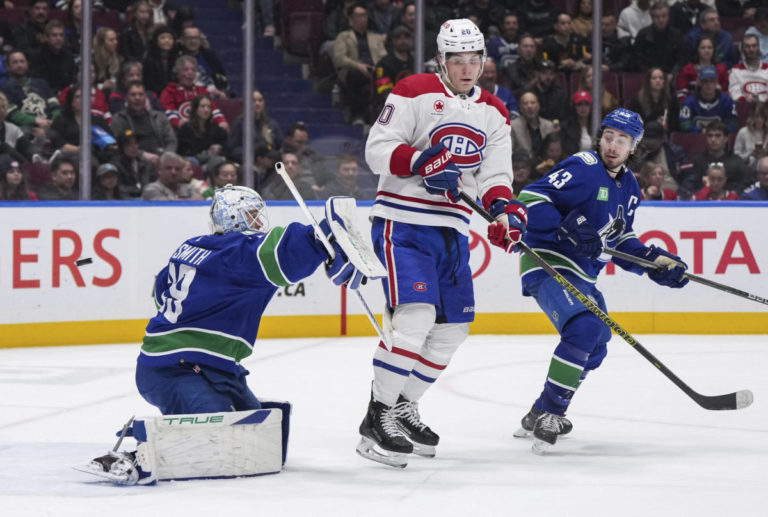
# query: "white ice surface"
640,447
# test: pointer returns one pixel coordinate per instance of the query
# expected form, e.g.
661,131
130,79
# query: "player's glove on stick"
339,269
510,228
439,174
671,272
575,229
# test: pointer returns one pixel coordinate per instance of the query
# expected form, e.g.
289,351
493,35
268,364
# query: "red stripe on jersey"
420,84
487,97
400,161
389,253
415,356
424,201
494,193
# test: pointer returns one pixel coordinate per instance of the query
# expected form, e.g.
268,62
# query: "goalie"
210,298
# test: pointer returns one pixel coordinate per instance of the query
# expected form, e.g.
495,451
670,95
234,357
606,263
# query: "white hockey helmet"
460,35
238,209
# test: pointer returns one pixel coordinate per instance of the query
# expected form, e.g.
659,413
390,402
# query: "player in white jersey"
437,134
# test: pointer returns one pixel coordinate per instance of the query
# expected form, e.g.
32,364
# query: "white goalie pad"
210,445
340,212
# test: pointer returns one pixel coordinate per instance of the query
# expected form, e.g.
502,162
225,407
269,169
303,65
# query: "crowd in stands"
696,71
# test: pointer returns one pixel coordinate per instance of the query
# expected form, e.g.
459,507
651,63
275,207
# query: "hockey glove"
575,229
339,269
671,272
510,228
439,174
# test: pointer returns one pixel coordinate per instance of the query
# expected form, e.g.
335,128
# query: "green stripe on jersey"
196,340
564,374
268,259
531,197
554,260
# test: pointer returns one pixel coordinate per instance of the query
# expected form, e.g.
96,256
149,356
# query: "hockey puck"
83,261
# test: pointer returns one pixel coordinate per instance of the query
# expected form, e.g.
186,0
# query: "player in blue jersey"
586,202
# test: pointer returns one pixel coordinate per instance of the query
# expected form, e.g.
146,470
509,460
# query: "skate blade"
427,451
96,470
522,433
368,449
540,447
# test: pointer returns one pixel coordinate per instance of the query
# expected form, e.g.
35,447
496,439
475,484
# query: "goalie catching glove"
510,226
339,269
438,172
671,268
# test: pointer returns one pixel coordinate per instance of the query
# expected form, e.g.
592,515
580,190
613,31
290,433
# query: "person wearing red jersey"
177,97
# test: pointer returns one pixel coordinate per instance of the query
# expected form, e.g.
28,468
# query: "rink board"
46,299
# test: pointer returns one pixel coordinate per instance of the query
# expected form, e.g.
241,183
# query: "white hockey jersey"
743,82
421,112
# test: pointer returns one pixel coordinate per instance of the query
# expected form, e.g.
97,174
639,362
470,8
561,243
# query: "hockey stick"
737,400
692,277
280,168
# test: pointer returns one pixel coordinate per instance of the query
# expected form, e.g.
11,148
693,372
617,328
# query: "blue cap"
707,72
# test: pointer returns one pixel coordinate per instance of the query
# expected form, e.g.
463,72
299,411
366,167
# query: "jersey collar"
474,93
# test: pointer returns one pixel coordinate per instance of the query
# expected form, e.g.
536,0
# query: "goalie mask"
459,36
238,209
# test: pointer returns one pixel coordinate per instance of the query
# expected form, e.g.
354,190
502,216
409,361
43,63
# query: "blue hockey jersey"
212,293
580,182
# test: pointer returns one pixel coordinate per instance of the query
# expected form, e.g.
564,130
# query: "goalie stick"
736,400
280,168
692,277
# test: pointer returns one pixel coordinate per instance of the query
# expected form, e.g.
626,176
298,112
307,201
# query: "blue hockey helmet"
627,121
238,209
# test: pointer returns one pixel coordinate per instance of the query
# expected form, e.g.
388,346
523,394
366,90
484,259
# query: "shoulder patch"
586,157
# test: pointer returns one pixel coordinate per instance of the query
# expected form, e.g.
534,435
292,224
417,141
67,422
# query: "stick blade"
738,400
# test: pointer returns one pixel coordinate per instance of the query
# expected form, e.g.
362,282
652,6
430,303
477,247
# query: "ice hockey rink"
639,445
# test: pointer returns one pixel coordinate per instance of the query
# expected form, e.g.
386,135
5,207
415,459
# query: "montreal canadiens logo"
466,143
185,110
420,286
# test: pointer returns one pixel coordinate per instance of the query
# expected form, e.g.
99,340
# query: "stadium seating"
302,26
230,108
693,143
630,85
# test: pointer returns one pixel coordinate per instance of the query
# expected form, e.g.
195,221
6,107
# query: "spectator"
135,38
52,62
521,170
223,173
161,57
13,184
654,100
99,106
709,24
337,20
659,45
551,95
13,142
519,74
266,132
383,16
176,97
131,71
354,53
651,182
577,127
154,132
707,104
758,191
264,165
705,56
617,51
582,18
200,137
760,31
74,30
737,8
345,182
162,12
279,190
134,172
565,48
714,185
633,18
297,141
169,185
684,14
196,185
31,104
487,81
107,186
752,139
61,187
608,103
396,65
489,15
106,60
502,48
210,71
749,79
552,153
537,17
737,176
528,130
655,147
65,130
31,34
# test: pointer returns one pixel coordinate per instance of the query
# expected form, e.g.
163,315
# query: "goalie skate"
529,421
118,467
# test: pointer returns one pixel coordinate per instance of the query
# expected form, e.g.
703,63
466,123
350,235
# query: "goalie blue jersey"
212,293
580,182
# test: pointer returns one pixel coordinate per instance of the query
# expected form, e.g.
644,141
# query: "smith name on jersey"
420,112
609,204
220,330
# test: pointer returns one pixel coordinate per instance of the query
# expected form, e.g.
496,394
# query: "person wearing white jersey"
437,134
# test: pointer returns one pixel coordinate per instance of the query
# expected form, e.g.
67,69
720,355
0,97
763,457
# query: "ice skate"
424,440
381,439
529,421
117,467
548,426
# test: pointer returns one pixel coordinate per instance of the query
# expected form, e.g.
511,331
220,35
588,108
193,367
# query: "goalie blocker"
205,445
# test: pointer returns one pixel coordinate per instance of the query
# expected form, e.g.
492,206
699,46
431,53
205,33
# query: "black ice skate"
529,421
381,439
117,467
548,426
408,420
